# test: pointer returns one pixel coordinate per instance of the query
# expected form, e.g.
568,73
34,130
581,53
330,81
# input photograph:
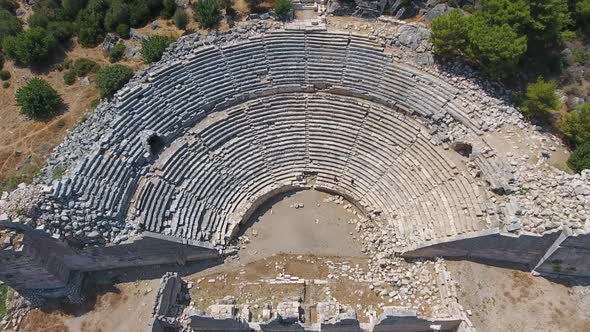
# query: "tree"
118,13
73,7
89,25
580,158
540,100
123,31
111,78
139,14
576,125
583,9
180,19
61,30
515,13
30,47
10,25
496,48
38,99
168,9
153,47
550,18
449,34
207,13
117,52
282,8
9,5
82,67
38,20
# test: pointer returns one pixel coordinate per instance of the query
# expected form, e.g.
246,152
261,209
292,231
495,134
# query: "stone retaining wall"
556,254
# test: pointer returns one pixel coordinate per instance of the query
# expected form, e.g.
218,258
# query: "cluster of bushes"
79,68
541,100
207,13
503,33
57,21
38,99
111,78
575,126
153,47
282,9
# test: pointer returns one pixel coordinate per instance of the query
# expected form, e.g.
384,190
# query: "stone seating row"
174,97
363,150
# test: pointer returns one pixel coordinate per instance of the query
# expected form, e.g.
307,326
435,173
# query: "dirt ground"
514,301
26,143
124,307
319,227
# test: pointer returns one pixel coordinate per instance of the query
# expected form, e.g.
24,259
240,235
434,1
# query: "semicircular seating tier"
214,177
172,99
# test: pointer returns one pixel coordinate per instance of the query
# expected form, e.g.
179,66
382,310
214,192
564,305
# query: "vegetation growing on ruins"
282,8
3,298
207,13
117,52
109,79
576,125
180,19
580,158
540,100
38,99
153,48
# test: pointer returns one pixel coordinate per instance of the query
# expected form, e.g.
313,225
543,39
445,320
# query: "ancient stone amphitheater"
188,150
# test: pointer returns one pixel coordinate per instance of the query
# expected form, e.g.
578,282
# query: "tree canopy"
111,78
38,99
153,47
30,47
575,125
207,13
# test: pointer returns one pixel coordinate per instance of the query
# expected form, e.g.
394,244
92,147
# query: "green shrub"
4,75
139,13
1,60
497,49
449,34
89,26
72,7
282,8
9,5
123,31
83,67
153,47
59,171
117,52
207,13
117,14
180,19
540,99
580,158
576,125
581,55
6,85
30,47
60,124
67,64
70,77
38,99
61,30
583,10
10,25
111,78
38,20
168,9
